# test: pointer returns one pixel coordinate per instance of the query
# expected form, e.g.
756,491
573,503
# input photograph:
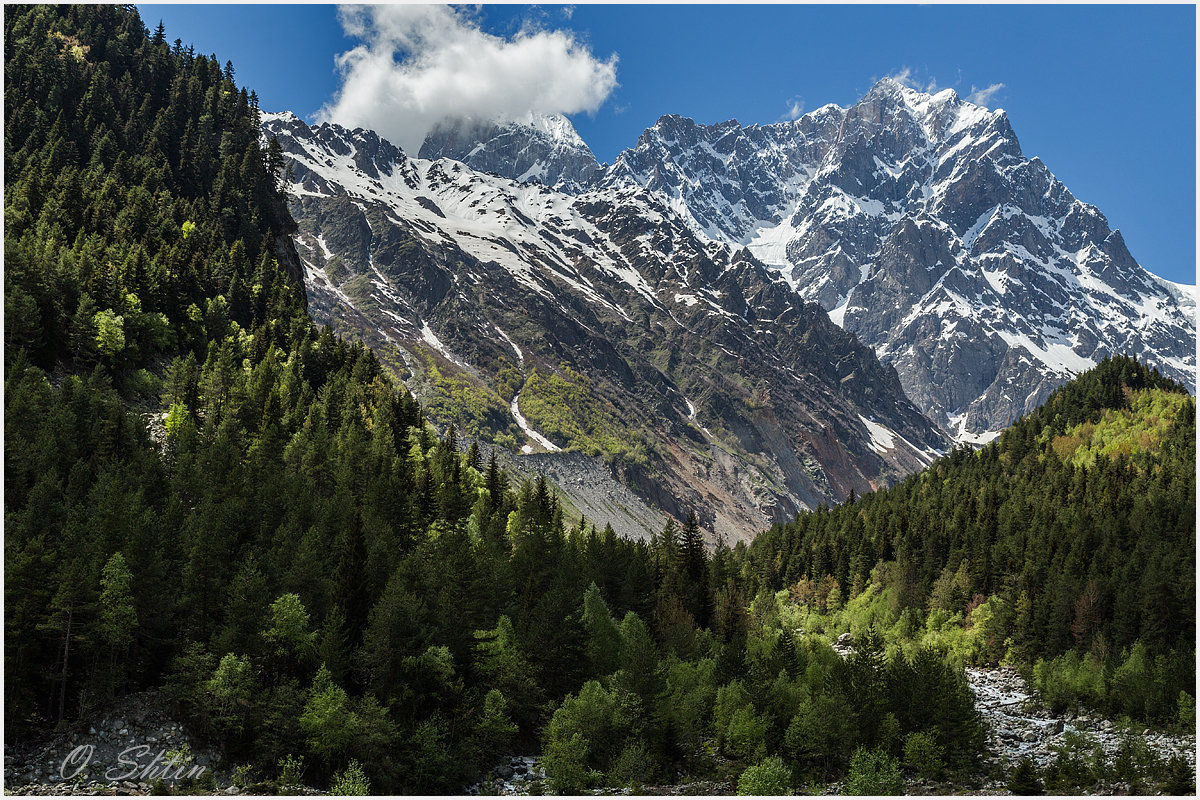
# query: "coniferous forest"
207,494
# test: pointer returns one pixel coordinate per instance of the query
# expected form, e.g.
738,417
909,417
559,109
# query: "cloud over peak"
417,65
795,109
983,97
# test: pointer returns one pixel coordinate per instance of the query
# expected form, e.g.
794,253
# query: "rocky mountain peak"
556,126
917,222
533,147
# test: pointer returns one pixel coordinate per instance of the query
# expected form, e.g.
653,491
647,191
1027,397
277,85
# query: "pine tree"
603,637
695,568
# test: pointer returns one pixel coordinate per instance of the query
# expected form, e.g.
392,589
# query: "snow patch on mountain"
882,439
512,344
545,443
430,338
958,424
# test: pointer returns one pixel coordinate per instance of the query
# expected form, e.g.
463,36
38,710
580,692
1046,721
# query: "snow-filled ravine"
515,407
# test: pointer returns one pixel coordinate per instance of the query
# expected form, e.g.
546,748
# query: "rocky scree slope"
599,322
917,222
123,749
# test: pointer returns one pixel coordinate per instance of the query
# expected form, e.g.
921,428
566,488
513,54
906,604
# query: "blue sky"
1105,95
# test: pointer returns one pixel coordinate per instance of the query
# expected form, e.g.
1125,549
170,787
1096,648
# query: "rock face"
844,645
916,221
594,492
516,775
125,748
131,746
600,322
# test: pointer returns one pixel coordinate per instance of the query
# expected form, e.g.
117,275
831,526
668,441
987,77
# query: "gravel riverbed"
1019,725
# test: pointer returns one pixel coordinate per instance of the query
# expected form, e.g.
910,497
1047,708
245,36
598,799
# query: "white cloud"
420,64
795,109
907,76
983,97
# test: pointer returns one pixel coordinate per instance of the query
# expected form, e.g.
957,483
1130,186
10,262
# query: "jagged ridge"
917,222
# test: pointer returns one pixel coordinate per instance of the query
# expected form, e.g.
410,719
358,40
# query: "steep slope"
916,221
598,322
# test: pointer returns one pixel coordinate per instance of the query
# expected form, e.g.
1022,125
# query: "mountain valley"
541,320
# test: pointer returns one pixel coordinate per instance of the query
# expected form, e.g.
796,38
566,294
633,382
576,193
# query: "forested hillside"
136,195
1069,543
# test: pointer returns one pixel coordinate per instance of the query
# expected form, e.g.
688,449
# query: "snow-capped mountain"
672,301
598,321
917,222
539,148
